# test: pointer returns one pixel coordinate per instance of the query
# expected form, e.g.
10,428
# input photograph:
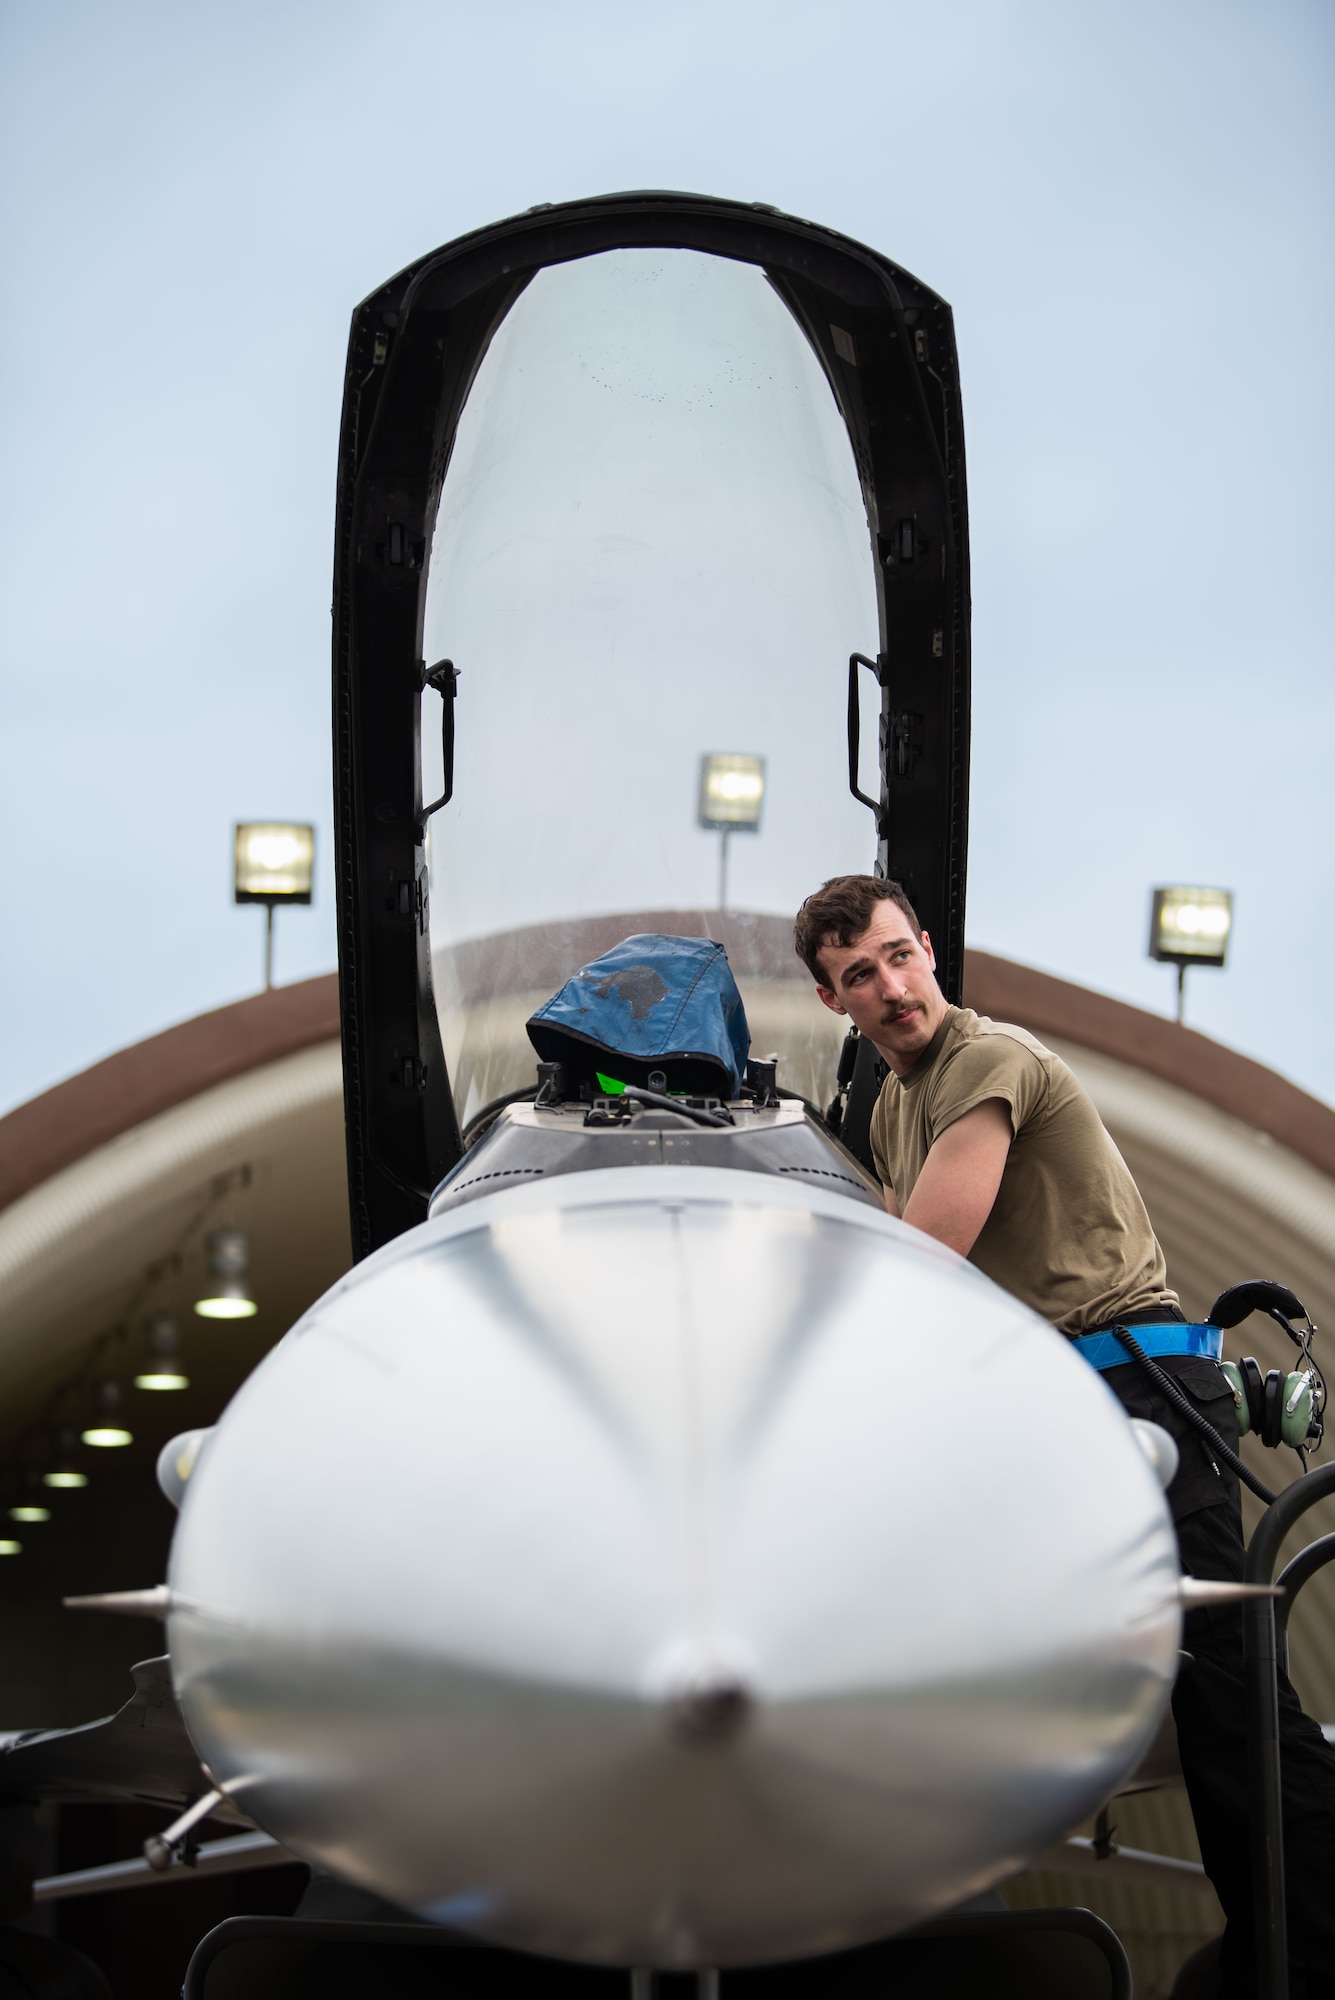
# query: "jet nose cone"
671,1565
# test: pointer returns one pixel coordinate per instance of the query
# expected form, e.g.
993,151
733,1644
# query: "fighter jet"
651,1554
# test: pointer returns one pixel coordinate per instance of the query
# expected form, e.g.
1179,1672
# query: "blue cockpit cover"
652,998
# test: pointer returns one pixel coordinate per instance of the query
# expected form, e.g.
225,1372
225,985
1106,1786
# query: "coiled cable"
1186,1408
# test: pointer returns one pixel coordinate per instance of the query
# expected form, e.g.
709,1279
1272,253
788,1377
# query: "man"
984,1139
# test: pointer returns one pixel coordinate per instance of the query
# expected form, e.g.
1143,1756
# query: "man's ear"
830,999
927,947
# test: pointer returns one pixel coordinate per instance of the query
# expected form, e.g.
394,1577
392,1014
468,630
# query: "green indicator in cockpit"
609,1084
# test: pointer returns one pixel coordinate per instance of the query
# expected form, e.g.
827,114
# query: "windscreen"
651,551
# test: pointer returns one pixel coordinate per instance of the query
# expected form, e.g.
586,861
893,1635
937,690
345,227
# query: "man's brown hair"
840,911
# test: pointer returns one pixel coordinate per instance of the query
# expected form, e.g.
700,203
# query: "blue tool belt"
1157,1338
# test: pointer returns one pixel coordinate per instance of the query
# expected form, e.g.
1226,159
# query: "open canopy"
625,484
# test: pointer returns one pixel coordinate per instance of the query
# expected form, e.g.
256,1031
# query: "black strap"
1186,1408
1253,1388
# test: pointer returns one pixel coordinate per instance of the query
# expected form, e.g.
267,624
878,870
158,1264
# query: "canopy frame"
886,344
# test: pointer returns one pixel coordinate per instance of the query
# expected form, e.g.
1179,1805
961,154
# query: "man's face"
885,981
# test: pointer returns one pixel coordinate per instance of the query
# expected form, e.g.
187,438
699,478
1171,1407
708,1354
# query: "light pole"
1190,927
732,791
275,863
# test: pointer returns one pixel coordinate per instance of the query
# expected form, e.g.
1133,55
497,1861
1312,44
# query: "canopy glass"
651,546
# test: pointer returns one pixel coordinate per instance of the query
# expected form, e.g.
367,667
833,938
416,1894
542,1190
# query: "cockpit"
651,547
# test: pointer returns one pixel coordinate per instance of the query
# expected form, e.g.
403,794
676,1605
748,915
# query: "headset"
1279,1408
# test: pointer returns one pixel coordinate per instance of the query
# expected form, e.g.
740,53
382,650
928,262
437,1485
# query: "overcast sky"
1128,205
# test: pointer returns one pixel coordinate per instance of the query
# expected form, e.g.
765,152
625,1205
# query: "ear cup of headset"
1296,1422
1233,1376
1253,1390
1262,1402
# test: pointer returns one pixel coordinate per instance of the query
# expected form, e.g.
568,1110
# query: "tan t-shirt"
1068,1232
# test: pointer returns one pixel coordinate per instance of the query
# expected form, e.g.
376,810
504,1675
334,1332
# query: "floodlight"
227,1296
732,791
162,1379
66,1477
274,863
30,1513
1190,927
107,1436
11,1548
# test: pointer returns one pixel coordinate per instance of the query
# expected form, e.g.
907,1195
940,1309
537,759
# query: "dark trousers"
1210,1711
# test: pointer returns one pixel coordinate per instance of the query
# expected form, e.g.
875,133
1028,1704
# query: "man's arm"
953,1195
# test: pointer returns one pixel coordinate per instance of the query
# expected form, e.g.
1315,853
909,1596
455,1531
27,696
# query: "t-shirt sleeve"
988,1066
879,1160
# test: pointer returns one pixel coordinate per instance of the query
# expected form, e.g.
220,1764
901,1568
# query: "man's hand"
954,1193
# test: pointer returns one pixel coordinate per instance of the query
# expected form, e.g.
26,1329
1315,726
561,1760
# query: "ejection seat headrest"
652,1005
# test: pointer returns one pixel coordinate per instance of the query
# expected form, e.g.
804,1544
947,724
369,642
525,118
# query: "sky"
1129,207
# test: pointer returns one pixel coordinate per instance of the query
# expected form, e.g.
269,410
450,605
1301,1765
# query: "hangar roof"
64,1124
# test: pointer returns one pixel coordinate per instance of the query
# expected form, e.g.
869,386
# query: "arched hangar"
111,1184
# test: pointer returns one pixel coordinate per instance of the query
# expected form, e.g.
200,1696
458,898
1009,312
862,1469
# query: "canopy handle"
444,678
874,806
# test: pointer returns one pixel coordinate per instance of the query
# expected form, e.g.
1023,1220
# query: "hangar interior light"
65,1473
162,1336
108,1400
227,1294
